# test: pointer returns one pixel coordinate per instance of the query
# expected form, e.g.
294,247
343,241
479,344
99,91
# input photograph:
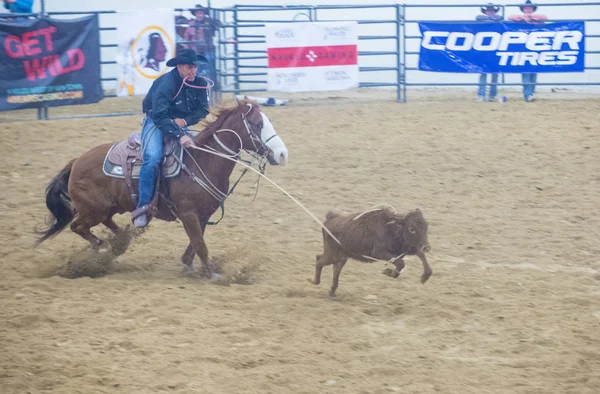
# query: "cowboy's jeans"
493,87
152,146
529,81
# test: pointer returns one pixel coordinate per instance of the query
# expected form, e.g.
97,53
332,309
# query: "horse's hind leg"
112,226
82,225
87,218
121,240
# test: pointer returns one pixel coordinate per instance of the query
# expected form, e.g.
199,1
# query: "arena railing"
242,43
105,44
246,63
43,112
413,40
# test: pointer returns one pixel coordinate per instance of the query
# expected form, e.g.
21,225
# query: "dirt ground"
511,194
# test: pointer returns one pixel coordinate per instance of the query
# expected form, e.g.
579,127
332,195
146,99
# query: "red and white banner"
312,56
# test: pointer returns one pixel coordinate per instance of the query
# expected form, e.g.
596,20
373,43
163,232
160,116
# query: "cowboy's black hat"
490,6
199,7
528,3
186,56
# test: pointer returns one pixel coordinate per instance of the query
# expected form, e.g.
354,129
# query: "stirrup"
141,221
139,211
136,214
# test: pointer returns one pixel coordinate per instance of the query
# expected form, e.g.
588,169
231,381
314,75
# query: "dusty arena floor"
511,192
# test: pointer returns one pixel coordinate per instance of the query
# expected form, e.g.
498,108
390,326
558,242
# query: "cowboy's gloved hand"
181,123
186,141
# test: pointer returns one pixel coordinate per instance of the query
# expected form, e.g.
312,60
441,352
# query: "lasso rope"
292,198
215,192
232,158
184,83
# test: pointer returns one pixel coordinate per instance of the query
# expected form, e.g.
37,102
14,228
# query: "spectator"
181,25
490,14
529,79
200,37
19,6
201,31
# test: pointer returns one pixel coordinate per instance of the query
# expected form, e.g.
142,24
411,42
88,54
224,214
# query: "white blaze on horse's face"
278,153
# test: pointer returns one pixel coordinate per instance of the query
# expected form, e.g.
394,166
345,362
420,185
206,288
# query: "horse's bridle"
253,137
262,163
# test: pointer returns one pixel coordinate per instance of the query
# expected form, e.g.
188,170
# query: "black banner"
49,62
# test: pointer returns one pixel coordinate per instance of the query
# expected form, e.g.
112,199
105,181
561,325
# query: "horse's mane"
215,118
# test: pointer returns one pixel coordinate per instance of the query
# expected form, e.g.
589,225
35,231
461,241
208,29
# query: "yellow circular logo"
150,50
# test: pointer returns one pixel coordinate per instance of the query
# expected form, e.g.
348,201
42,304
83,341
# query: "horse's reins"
215,192
212,189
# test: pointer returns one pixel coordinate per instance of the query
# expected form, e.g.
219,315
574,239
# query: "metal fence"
242,56
392,55
389,43
411,15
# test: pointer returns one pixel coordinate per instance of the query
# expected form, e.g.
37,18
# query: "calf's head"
413,229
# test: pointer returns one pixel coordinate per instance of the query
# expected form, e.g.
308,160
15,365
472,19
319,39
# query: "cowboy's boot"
141,221
140,216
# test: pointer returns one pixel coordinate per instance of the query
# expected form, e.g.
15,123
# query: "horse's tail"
59,205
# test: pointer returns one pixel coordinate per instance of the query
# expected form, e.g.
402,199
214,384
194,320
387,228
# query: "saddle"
124,160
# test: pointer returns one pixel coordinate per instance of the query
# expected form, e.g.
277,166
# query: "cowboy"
490,14
529,79
170,107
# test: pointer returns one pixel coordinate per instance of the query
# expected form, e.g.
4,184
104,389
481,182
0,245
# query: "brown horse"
84,196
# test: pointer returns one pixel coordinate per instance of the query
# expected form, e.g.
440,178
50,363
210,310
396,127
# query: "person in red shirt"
528,16
200,37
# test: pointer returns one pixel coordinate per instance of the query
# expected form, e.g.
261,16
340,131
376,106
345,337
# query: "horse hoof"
215,277
188,270
97,245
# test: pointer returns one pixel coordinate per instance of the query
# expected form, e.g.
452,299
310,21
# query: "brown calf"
376,235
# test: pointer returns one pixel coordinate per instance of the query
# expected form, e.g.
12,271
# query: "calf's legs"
399,263
337,269
426,268
326,259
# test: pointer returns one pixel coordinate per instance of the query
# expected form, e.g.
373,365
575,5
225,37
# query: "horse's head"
260,135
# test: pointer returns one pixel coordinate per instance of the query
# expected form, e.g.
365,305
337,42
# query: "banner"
146,43
49,62
502,47
312,56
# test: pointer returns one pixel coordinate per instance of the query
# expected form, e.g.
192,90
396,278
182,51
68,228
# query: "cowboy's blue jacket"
161,105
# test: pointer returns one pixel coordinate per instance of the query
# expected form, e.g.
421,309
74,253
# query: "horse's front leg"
188,259
194,230
188,256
